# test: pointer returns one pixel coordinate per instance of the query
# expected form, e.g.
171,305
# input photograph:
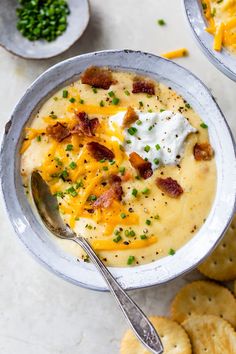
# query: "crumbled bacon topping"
141,85
203,152
58,131
99,151
114,193
97,77
169,186
144,167
85,126
130,117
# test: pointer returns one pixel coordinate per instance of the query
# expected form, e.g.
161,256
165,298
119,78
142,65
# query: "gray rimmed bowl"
224,60
12,40
41,243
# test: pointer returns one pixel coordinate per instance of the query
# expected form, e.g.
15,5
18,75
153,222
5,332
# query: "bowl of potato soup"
140,158
213,24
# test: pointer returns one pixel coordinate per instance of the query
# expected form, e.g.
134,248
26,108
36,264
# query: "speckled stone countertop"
40,313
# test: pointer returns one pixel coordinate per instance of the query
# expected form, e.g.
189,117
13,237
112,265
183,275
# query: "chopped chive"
102,160
63,175
156,161
92,197
95,90
38,138
132,130
105,168
171,252
126,232
132,233
203,125
213,13
116,232
101,104
64,93
72,99
111,94
157,217
204,5
147,148
72,165
53,116
117,239
81,101
115,101
187,105
58,161
141,103
128,141
150,111
139,122
145,191
161,22
162,110
59,194
122,170
127,93
130,260
123,215
148,222
143,237
69,147
72,191
112,162
135,192
121,147
79,184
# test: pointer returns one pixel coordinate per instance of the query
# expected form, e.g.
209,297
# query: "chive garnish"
122,170
130,260
157,146
111,94
147,148
127,93
171,252
117,239
72,99
135,192
203,125
64,93
73,165
148,222
69,147
123,215
161,22
132,130
115,101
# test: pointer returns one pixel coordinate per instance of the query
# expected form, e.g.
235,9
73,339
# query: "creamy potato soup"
129,161
221,17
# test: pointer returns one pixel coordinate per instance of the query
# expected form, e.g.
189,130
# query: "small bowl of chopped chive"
40,29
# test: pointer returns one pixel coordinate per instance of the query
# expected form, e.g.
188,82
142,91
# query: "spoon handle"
141,326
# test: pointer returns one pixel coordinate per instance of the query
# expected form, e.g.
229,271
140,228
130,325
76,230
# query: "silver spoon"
47,207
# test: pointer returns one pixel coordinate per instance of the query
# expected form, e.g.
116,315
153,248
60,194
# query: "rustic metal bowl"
25,220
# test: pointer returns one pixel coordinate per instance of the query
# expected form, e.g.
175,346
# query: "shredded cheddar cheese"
221,17
110,245
182,52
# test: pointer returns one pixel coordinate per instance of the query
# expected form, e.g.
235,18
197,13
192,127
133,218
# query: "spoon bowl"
12,40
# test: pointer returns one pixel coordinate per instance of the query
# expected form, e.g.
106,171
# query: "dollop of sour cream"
159,137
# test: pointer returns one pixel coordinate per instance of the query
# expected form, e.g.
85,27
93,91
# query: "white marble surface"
40,313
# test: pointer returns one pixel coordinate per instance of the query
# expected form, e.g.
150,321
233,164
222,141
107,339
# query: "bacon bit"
144,167
58,131
169,186
130,117
203,152
115,182
127,176
100,151
115,192
86,126
97,77
141,85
